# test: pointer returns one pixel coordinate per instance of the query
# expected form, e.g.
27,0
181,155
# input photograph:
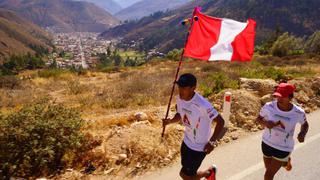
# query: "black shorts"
190,160
270,152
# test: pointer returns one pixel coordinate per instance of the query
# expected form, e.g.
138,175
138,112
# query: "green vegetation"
312,44
287,45
113,60
174,55
216,82
35,140
52,72
16,63
110,59
40,50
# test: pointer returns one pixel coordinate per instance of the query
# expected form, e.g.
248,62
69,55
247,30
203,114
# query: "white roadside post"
227,108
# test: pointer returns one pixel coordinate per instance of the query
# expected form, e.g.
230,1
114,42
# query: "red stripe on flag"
204,34
243,45
204,39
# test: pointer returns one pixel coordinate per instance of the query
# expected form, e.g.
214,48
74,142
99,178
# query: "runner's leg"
267,161
272,169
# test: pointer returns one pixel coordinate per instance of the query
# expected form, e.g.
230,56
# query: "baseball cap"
187,80
284,90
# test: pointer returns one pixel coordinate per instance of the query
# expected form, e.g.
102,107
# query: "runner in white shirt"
197,115
279,119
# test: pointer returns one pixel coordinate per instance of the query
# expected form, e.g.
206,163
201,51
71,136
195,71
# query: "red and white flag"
213,39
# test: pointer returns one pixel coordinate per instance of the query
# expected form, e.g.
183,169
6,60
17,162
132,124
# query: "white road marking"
260,165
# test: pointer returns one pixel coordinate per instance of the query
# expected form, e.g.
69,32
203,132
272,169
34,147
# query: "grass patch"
125,54
300,72
52,73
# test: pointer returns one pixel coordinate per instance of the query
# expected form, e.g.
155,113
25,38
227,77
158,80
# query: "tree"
129,62
287,45
116,58
54,64
313,43
174,54
34,62
105,60
108,51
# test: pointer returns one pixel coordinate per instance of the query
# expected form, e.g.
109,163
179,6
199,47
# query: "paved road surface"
242,159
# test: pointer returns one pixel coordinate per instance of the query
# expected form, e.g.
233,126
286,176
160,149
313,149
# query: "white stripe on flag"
229,30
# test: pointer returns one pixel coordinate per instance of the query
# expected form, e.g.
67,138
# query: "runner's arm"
269,124
303,131
219,129
175,119
260,120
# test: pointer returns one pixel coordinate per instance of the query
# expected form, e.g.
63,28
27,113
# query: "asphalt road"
242,159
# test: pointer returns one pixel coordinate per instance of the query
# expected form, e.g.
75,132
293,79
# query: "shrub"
75,87
263,73
174,54
217,82
34,140
287,45
16,63
274,73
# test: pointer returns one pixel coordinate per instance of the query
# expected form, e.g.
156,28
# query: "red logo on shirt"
186,120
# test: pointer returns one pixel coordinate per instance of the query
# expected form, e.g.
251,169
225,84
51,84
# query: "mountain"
19,36
164,31
62,15
147,7
109,5
126,3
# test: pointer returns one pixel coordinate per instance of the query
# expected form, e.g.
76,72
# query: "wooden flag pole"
177,73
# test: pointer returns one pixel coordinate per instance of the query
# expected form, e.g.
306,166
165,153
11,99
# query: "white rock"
122,157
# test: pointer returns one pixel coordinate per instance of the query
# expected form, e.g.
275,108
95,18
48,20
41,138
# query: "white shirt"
196,115
281,137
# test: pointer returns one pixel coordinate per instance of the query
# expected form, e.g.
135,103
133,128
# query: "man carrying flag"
208,39
197,115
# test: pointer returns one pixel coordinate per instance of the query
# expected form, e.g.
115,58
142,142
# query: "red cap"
284,90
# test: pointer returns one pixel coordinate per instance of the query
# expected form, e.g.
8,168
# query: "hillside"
109,5
126,3
62,15
19,36
123,111
165,32
147,7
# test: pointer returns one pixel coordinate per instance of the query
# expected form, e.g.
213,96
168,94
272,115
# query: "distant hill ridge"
19,36
147,7
62,15
164,31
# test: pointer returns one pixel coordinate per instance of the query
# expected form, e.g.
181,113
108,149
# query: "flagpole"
176,76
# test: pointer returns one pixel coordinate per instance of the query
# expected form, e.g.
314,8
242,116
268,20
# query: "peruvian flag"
213,39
